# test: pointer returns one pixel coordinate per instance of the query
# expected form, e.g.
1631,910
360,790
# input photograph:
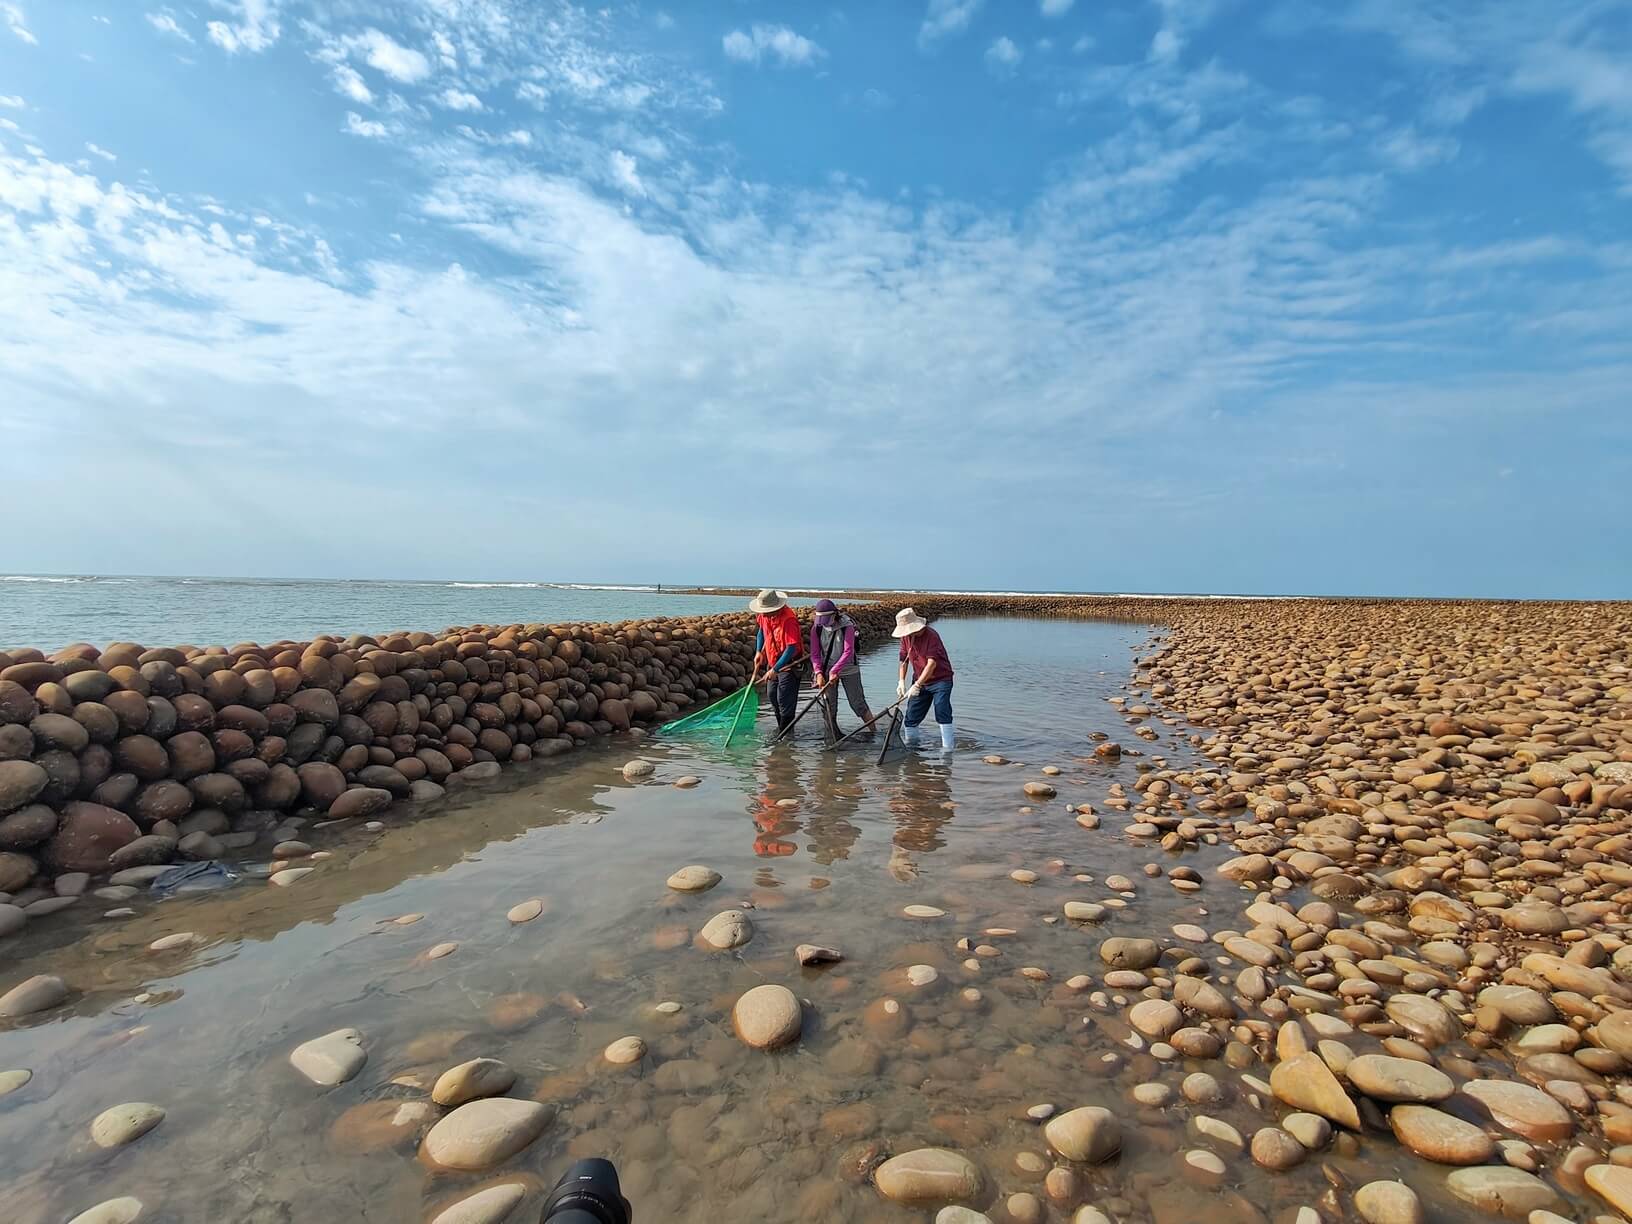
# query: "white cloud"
165,23
444,49
944,18
1410,149
358,126
1166,44
398,62
664,21
15,21
1056,8
1002,56
1084,43
253,28
773,42
100,152
624,172
350,83
520,137
459,100
11,101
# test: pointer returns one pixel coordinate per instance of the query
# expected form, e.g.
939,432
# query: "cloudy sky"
1167,295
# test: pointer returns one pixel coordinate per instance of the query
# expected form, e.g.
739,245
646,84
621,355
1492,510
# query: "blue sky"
1170,295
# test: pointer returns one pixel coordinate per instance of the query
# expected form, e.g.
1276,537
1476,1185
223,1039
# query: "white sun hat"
907,623
768,601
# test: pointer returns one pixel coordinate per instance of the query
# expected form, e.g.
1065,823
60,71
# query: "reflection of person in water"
921,807
837,781
774,823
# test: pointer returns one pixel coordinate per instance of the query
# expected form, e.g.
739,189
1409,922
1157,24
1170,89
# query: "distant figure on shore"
924,658
833,658
778,648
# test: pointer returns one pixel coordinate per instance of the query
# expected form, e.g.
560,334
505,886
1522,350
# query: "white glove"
900,688
915,690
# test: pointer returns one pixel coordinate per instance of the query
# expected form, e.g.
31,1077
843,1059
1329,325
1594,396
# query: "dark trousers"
850,681
784,693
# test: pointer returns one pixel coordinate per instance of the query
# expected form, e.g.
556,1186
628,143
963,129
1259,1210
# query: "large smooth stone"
1614,1032
489,1206
1306,1082
730,929
33,995
1424,1018
20,781
1511,1193
470,1081
484,1133
87,835
124,1210
358,802
1388,1202
12,920
695,878
1121,952
1436,1135
1613,1184
1526,1111
332,1058
10,1081
125,1123
768,1017
928,1175
1385,1078
1089,1134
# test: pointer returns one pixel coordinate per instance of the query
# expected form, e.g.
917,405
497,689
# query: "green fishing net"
730,716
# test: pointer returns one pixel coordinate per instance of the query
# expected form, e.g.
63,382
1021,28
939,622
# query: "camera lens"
588,1193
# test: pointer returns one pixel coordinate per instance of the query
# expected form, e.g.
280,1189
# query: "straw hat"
768,601
907,623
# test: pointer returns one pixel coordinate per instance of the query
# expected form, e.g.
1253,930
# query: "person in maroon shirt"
924,659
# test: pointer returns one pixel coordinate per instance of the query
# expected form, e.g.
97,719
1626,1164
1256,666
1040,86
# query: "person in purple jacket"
833,658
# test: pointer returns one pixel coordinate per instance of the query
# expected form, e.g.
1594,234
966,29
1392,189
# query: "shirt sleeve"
759,639
847,652
815,644
788,656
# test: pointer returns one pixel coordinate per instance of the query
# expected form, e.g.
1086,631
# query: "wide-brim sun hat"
907,623
768,601
826,610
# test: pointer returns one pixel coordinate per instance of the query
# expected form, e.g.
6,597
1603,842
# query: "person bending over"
833,656
924,659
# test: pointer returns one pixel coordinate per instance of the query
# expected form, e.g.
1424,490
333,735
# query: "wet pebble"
35,994
695,878
484,1133
525,911
124,1124
472,1080
625,1050
767,1017
330,1059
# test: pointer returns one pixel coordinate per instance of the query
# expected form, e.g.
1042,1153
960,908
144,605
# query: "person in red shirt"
779,646
924,659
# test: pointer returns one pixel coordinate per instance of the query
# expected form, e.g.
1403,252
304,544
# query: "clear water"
826,847
51,612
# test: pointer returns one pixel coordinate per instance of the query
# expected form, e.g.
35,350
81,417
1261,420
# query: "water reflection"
833,848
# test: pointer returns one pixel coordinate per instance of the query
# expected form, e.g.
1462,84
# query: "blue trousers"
936,692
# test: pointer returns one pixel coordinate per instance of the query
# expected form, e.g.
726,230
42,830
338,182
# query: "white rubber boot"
909,736
946,737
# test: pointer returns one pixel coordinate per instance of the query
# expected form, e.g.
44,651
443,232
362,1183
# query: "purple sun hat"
826,609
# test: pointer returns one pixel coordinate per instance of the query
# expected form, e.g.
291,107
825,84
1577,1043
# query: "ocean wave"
39,578
509,586
597,586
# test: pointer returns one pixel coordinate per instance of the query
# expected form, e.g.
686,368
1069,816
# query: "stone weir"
121,760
